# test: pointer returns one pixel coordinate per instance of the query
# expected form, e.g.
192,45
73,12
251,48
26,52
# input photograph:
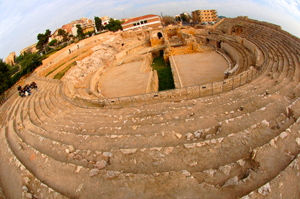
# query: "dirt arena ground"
200,68
124,80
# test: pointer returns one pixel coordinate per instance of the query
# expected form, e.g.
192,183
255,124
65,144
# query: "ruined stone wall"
29,49
139,34
10,59
190,31
183,50
170,32
155,41
147,63
95,81
236,25
177,81
121,55
203,32
269,25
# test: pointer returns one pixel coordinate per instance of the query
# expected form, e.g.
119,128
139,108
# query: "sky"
22,20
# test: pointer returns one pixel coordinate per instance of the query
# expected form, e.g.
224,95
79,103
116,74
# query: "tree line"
26,62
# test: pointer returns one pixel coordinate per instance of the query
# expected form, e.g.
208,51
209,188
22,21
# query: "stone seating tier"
243,142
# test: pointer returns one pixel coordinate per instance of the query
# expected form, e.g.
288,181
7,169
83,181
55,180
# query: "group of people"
26,90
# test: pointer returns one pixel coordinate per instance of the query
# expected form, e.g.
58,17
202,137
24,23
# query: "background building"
201,16
147,21
104,20
87,25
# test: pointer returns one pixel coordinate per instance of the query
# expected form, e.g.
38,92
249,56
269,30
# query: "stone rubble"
93,172
265,190
101,164
128,151
231,182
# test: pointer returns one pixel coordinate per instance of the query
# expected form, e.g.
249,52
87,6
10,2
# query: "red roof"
67,28
139,18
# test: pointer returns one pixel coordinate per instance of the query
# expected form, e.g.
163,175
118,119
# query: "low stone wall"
235,56
191,92
95,81
177,80
152,82
146,65
228,59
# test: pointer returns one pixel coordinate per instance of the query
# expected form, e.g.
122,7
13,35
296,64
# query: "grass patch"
61,73
55,69
47,55
164,73
73,57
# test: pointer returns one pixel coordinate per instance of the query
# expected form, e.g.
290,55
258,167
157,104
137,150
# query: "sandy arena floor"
124,80
200,68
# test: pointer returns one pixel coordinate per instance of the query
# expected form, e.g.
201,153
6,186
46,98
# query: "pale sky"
22,20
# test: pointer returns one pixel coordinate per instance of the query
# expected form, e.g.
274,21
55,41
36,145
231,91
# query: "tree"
168,20
5,78
183,17
178,18
114,25
64,34
43,39
80,31
53,42
98,23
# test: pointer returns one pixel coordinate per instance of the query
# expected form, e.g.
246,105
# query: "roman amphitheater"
230,129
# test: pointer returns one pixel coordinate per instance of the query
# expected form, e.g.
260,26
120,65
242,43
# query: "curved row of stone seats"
158,149
215,146
245,62
141,139
22,178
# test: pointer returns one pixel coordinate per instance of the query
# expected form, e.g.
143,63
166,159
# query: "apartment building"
88,25
105,20
201,16
147,21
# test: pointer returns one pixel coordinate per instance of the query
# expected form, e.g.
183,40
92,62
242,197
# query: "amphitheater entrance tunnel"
159,35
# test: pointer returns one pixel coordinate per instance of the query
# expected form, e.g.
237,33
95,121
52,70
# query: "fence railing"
173,95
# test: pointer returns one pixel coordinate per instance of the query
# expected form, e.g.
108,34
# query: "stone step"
85,143
192,145
267,160
280,187
110,174
30,187
142,123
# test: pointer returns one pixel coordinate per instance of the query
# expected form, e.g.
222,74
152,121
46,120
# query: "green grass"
61,73
47,55
55,69
164,73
